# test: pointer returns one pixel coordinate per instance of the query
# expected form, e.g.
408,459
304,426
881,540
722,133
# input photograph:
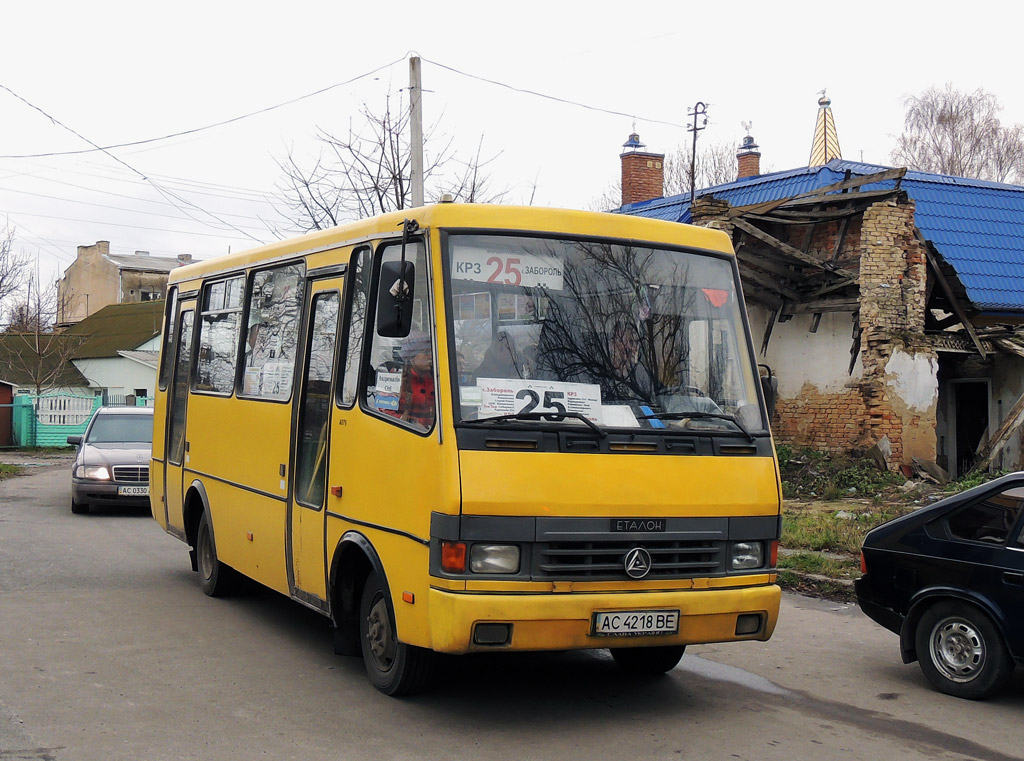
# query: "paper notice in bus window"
501,396
507,268
389,387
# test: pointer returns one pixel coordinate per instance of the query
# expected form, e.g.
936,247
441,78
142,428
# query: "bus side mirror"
770,388
394,299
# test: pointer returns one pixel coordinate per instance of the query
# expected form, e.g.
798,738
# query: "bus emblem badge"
637,563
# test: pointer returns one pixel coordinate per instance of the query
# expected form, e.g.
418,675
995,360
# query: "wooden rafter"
789,250
953,302
853,182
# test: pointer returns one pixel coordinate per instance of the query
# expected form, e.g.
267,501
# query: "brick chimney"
643,174
748,159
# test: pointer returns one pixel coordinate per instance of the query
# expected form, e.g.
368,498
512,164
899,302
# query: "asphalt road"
108,651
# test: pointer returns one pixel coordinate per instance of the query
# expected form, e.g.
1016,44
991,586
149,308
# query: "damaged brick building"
886,301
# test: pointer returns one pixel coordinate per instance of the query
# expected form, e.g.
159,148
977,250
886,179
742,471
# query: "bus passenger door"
175,446
307,518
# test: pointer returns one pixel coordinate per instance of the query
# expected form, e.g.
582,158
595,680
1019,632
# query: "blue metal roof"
977,226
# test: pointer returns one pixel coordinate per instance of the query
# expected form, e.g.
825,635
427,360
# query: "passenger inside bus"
416,400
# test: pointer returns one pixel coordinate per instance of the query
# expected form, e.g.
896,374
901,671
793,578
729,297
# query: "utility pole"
416,130
699,113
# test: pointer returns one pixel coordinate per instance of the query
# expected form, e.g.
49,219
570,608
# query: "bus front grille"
670,559
131,474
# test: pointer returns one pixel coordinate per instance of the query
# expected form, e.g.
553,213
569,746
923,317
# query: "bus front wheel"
394,667
216,579
648,660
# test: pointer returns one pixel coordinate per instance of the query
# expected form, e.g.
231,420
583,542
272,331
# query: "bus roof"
468,215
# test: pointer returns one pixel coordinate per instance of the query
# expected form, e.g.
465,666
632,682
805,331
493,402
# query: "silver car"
112,462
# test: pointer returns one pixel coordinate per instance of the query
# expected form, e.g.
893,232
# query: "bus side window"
219,330
355,328
402,386
272,332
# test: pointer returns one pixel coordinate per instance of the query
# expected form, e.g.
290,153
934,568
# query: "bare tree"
952,132
13,267
367,172
33,348
716,165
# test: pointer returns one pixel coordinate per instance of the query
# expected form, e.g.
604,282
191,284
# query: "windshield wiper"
553,417
717,415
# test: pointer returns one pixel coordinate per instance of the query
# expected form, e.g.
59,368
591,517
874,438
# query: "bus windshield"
620,335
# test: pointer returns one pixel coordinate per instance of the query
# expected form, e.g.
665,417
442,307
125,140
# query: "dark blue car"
949,579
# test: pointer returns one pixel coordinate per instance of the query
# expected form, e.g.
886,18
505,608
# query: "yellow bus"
472,428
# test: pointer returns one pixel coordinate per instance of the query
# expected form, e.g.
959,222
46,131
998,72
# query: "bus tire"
650,661
394,667
216,578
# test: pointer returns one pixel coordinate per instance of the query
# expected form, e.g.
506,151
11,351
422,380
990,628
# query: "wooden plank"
833,287
770,283
1011,423
826,305
768,331
787,249
855,348
1011,347
745,256
949,295
770,300
763,208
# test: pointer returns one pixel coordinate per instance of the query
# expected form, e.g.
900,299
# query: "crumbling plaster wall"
893,390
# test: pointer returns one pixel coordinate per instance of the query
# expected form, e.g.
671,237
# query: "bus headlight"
92,472
494,558
746,555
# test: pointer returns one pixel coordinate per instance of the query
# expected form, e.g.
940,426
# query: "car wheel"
961,652
79,508
648,660
216,578
394,667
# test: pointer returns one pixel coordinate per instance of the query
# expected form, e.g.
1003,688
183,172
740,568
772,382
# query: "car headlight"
746,555
494,558
92,472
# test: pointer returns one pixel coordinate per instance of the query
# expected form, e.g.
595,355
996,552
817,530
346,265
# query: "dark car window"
990,520
112,429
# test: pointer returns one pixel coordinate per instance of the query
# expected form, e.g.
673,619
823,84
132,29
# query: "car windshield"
115,429
626,336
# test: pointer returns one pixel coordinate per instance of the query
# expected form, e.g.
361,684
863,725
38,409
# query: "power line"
195,129
134,227
550,97
165,193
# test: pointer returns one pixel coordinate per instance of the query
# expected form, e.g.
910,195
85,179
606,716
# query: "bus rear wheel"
650,661
216,579
394,667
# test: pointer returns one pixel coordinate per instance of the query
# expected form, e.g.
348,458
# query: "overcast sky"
118,72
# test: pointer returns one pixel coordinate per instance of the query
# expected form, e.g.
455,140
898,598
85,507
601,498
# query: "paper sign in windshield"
502,396
507,268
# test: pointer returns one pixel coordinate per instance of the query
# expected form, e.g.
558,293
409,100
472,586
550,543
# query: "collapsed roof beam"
853,182
788,250
953,302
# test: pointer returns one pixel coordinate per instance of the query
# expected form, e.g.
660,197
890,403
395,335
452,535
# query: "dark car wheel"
216,578
648,660
961,652
394,667
79,508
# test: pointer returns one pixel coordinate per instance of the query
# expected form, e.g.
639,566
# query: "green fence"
48,420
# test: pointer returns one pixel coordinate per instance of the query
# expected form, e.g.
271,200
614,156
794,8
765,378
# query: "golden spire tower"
826,141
